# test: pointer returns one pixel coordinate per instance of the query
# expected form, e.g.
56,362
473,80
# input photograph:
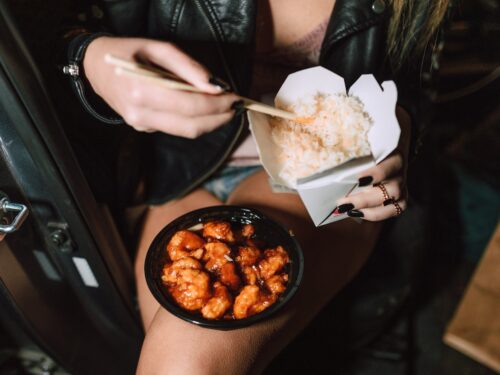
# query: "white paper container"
321,192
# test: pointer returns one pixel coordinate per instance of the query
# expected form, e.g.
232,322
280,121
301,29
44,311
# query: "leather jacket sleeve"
84,24
120,17
80,18
81,24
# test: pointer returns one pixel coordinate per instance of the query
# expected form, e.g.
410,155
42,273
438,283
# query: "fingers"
149,107
187,127
379,213
372,204
372,196
186,114
171,58
145,95
389,167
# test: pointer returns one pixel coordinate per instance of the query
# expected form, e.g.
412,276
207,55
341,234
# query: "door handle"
7,209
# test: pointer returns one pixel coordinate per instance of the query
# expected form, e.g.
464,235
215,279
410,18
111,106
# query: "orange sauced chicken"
223,272
277,284
188,284
229,276
248,255
273,262
250,274
248,230
219,230
183,243
218,304
217,254
251,301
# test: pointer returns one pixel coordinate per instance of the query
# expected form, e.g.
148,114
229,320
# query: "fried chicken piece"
171,270
188,284
248,255
255,242
273,262
229,277
248,230
193,291
198,254
219,230
251,301
277,283
183,243
243,303
217,254
216,306
265,300
250,275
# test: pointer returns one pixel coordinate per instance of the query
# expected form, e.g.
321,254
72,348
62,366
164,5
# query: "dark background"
456,176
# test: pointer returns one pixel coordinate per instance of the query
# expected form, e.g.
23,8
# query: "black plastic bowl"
272,233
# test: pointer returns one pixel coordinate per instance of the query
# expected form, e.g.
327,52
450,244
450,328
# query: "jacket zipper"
216,166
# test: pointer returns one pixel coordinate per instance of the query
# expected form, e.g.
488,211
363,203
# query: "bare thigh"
333,255
156,218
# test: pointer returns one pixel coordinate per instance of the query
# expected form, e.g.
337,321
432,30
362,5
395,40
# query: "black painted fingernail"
343,208
365,181
220,83
355,213
238,107
388,202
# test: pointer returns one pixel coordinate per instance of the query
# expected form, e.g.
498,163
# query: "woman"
203,155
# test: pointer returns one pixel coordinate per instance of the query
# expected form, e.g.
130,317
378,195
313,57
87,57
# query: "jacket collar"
350,17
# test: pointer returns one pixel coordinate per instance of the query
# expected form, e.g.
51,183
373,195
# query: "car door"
65,276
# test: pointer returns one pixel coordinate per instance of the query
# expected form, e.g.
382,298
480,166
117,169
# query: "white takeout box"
321,191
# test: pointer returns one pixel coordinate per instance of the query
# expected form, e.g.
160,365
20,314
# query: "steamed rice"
338,133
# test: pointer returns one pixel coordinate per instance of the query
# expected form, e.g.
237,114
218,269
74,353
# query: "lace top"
270,70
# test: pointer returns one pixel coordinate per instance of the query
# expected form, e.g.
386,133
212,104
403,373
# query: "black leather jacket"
220,34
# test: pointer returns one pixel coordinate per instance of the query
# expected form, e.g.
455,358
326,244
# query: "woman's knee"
190,350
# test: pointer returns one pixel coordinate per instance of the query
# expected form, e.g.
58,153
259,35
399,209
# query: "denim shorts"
225,181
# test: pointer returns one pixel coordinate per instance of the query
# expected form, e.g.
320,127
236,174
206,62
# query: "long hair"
412,26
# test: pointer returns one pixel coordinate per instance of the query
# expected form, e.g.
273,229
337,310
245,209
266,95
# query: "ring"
381,186
399,210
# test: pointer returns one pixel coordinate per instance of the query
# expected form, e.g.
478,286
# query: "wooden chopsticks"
169,80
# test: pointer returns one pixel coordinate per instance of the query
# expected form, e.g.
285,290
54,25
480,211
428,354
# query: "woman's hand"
149,107
372,203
